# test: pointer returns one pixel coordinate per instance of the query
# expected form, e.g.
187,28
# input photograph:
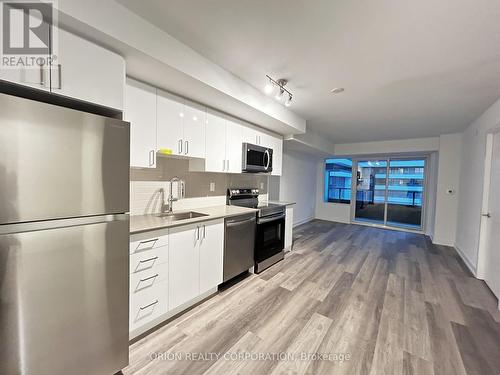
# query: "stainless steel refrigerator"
64,238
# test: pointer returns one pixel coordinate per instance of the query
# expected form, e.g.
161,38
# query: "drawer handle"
149,278
148,260
148,241
151,304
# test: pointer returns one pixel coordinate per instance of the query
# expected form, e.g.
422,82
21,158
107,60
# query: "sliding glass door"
390,192
371,191
405,191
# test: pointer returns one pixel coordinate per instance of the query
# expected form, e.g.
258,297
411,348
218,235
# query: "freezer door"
56,162
64,295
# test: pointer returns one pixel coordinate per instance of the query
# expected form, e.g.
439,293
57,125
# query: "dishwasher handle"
235,222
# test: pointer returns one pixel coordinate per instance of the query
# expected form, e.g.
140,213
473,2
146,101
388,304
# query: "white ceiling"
410,68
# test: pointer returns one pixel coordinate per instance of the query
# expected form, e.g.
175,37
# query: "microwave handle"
266,153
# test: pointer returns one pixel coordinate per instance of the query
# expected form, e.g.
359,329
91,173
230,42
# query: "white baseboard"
440,241
303,221
467,261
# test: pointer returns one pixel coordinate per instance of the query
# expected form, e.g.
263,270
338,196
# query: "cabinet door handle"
59,75
150,305
180,146
204,231
223,165
197,233
187,148
148,278
42,74
151,158
227,169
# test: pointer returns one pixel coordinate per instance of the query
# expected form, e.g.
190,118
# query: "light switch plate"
212,186
261,185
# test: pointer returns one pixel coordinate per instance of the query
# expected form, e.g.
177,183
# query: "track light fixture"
278,88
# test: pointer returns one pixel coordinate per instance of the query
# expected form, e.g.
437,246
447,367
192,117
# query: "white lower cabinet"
195,260
148,278
148,304
184,256
171,269
211,255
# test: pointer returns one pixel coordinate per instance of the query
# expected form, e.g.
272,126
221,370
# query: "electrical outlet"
262,186
212,186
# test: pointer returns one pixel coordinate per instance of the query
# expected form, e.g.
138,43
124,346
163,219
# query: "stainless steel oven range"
270,233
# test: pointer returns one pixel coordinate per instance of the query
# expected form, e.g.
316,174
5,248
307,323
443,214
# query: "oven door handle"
268,219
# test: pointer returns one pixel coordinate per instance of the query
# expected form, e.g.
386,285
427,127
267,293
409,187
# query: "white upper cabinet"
37,77
181,126
82,70
88,72
276,144
251,135
215,156
234,150
211,254
140,111
171,125
195,117
223,144
170,122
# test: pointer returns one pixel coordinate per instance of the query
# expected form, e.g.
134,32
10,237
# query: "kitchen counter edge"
151,222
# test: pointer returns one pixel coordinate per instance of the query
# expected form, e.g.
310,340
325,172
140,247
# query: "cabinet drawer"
146,260
143,281
148,305
143,243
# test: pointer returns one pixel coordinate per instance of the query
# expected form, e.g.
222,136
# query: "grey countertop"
144,223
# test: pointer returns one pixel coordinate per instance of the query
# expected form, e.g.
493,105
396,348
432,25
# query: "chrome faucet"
171,199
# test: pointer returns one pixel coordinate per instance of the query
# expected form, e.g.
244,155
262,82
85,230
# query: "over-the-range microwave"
257,159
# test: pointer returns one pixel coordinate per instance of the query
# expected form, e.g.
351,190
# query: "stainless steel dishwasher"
239,244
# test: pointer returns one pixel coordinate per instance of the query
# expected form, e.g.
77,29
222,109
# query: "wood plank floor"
365,300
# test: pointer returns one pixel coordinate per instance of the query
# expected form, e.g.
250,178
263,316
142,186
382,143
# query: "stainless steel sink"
180,215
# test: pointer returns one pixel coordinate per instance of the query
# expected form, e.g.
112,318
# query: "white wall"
388,147
471,183
443,174
298,184
446,208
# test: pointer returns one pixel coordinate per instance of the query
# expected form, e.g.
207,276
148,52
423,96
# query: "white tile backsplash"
146,197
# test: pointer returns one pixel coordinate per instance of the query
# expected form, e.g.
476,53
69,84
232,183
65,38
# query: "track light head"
281,92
